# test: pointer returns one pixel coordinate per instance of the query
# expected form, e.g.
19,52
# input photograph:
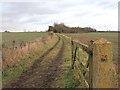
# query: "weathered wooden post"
102,64
90,60
72,53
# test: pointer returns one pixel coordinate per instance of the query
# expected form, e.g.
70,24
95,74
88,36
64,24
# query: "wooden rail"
96,71
77,62
81,68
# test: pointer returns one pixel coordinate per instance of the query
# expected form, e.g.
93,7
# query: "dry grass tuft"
12,55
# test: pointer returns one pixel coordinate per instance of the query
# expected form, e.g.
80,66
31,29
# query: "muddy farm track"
40,74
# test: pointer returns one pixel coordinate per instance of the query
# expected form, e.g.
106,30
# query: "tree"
62,28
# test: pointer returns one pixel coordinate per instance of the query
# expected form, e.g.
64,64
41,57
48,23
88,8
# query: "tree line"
62,28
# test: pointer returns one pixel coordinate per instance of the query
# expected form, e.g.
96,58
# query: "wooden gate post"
102,61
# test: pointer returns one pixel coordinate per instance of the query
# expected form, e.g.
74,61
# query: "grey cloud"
107,5
28,8
16,10
47,12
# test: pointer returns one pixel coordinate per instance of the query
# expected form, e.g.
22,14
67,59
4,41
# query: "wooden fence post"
102,64
90,60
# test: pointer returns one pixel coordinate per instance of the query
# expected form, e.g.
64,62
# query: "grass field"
12,72
55,64
112,37
18,37
50,64
86,37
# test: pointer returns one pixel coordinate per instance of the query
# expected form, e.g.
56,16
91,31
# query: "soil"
40,75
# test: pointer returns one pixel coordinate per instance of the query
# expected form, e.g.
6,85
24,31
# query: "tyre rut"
53,69
46,77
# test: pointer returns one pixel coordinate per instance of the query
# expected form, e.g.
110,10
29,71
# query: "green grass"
69,79
14,72
18,37
66,77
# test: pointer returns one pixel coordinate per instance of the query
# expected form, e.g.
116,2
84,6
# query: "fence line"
97,71
77,62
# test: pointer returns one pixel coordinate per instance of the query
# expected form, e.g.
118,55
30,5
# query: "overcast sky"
38,15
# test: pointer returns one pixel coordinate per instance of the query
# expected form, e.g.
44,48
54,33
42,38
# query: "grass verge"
65,79
14,72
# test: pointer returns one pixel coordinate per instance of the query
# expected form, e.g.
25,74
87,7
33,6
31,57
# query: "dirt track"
40,74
